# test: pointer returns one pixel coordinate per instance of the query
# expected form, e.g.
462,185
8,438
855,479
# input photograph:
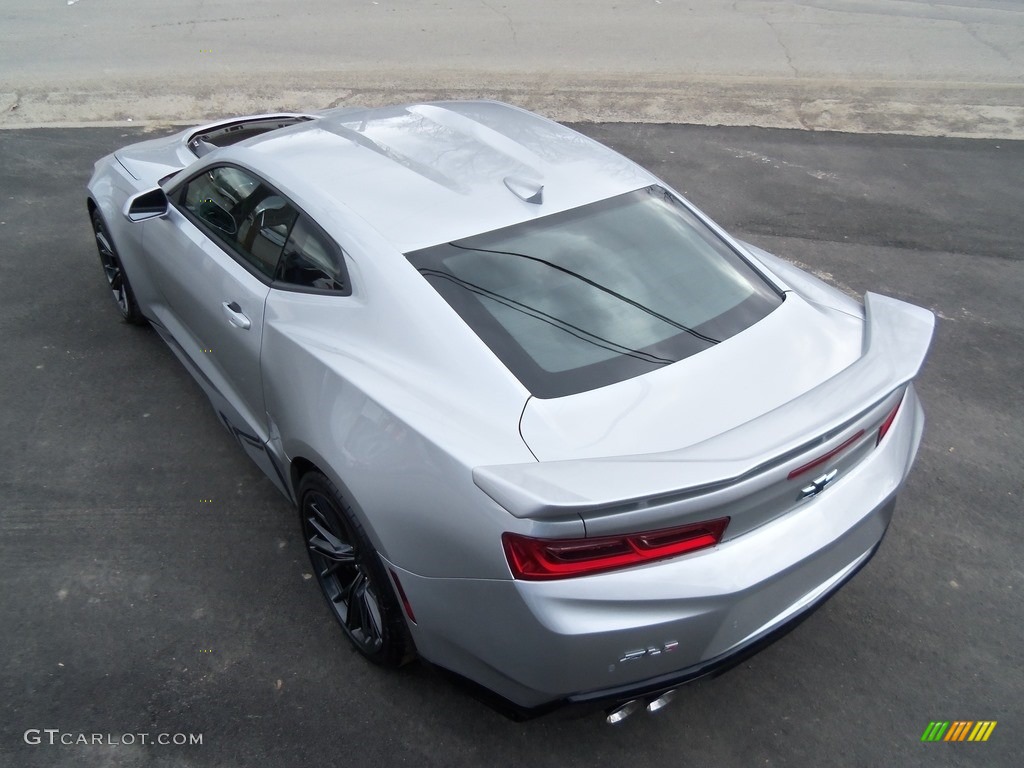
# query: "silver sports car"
547,426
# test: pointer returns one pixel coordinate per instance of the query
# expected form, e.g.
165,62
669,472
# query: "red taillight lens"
537,559
888,422
830,455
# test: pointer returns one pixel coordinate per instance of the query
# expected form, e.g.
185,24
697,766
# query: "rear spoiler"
897,336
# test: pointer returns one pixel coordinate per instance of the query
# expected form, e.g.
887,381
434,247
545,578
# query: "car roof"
424,174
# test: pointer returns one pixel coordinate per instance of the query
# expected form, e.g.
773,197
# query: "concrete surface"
152,581
895,66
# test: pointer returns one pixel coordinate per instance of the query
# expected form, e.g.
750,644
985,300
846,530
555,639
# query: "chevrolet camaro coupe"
547,425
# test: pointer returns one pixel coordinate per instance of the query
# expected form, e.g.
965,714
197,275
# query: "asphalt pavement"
153,582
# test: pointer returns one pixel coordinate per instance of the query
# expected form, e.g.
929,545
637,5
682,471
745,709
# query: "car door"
214,257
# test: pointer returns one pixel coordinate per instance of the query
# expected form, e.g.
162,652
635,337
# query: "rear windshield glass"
598,294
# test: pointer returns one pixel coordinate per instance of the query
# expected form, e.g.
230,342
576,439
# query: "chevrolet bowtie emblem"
818,484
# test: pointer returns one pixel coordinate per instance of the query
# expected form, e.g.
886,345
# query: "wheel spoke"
315,509
336,566
353,602
364,619
325,543
103,244
369,610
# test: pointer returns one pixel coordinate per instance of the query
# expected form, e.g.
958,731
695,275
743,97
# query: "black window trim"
175,192
725,238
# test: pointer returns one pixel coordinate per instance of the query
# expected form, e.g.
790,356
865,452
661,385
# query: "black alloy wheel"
114,272
351,575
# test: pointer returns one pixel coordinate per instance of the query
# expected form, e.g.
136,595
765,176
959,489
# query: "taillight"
822,459
537,559
888,422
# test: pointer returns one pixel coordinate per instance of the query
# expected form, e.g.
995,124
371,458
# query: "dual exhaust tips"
621,712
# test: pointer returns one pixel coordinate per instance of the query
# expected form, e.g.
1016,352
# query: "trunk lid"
792,350
743,451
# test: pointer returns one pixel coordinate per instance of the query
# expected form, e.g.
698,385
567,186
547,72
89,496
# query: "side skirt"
256,448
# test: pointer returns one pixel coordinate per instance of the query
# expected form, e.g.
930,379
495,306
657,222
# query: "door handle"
235,316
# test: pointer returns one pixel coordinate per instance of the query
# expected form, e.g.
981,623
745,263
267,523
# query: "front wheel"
114,272
351,575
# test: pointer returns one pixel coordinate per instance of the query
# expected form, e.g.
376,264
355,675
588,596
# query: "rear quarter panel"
388,393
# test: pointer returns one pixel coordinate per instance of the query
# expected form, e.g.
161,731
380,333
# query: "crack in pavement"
508,20
990,45
783,46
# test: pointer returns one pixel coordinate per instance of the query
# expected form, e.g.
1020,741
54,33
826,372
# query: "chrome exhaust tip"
619,714
661,702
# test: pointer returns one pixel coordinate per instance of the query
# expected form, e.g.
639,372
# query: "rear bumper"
716,666
639,631
609,698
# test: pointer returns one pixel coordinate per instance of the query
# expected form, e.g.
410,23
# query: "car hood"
792,350
149,161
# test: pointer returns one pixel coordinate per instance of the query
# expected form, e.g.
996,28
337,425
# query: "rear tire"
121,289
351,575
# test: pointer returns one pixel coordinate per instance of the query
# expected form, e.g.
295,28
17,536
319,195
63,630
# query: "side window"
312,261
243,212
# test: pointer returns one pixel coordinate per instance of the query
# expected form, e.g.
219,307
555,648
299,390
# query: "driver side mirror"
150,204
